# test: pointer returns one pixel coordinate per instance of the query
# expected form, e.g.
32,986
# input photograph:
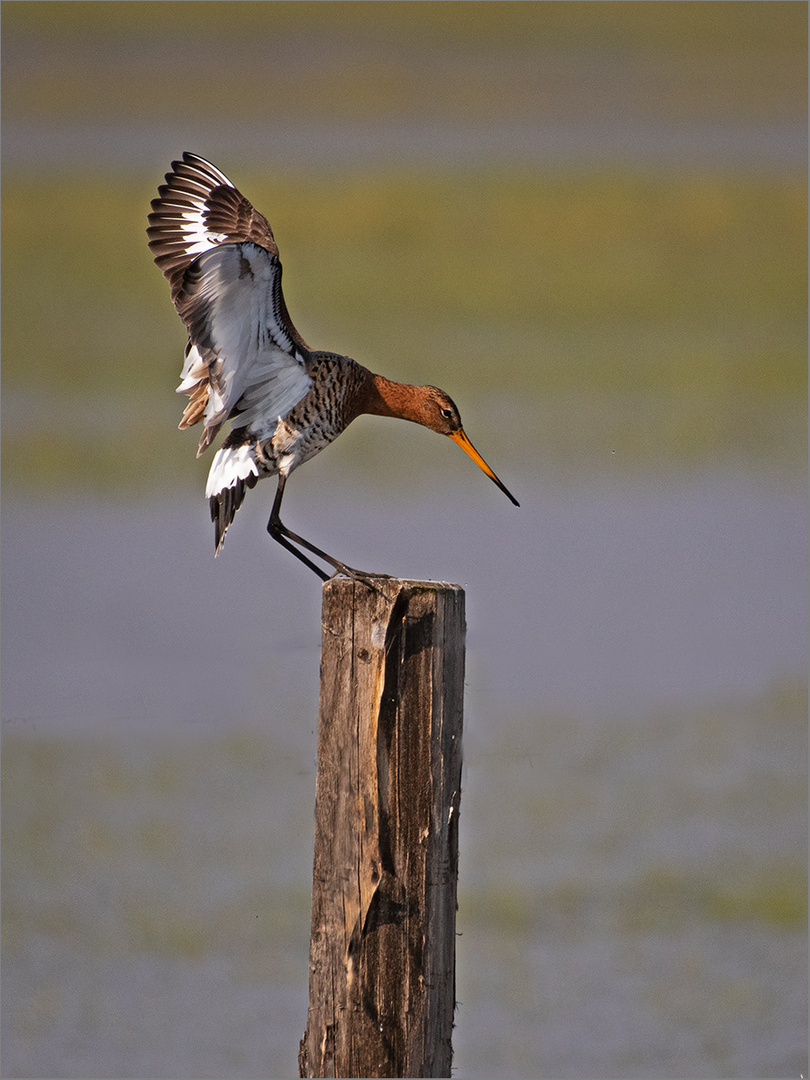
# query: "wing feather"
245,359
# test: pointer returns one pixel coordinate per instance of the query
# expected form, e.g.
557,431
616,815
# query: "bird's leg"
275,532
279,531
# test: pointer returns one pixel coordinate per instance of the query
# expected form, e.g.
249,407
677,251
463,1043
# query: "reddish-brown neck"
382,397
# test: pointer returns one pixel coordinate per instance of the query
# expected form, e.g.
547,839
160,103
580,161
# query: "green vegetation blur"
631,316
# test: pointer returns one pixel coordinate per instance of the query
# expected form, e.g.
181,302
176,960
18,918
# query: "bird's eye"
447,414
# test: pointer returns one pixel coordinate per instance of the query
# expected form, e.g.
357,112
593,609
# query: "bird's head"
438,412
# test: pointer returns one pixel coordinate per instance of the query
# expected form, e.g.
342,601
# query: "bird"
246,363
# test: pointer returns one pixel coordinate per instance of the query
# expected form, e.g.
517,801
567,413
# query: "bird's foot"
365,578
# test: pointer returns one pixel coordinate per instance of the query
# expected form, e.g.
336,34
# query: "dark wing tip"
196,203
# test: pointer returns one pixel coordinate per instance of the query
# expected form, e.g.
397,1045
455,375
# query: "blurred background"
585,221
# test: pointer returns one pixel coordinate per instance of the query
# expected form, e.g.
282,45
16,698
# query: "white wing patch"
190,222
196,237
243,346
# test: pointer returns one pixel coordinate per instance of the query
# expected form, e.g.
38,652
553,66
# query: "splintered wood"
382,949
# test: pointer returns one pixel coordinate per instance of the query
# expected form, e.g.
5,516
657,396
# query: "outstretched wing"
244,358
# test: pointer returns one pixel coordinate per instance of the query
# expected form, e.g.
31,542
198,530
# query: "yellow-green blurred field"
660,316
625,315
716,58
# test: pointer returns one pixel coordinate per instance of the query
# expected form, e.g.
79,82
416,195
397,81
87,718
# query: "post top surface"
391,584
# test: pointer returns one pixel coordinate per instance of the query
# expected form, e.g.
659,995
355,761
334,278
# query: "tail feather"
233,471
224,506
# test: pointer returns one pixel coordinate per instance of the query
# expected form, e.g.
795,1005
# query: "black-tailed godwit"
245,361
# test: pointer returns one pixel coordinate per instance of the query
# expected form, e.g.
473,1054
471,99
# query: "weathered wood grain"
382,951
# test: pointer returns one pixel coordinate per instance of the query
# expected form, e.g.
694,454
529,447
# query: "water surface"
633,823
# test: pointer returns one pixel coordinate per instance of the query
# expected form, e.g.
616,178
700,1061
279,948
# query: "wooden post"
382,948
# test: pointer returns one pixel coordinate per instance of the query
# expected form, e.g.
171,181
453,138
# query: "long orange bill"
468,448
